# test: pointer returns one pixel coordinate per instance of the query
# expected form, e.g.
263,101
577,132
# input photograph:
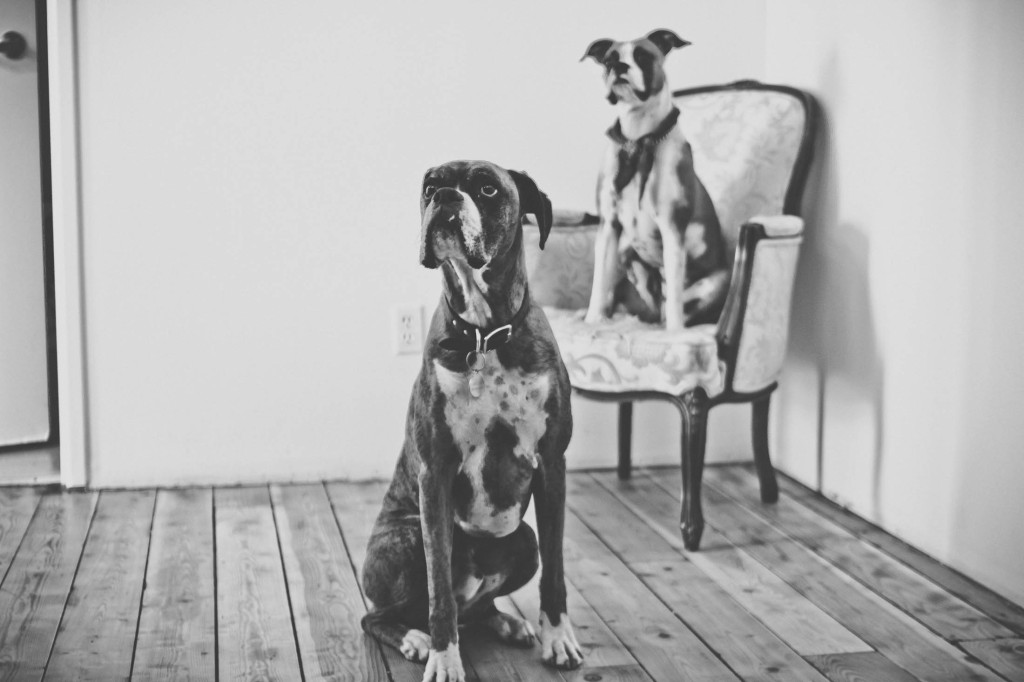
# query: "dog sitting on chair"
659,249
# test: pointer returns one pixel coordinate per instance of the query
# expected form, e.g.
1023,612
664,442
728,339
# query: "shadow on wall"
833,324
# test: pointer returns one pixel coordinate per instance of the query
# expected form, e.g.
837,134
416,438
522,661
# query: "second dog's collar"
653,137
636,157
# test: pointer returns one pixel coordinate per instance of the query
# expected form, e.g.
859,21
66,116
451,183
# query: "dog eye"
428,190
489,190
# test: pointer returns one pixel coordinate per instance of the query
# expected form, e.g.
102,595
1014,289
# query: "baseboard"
35,466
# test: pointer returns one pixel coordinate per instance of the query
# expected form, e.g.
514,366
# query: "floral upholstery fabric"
766,321
624,354
745,144
562,274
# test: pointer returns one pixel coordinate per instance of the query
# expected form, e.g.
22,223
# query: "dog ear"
532,200
665,40
598,49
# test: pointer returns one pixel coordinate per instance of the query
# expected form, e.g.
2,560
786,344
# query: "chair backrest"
751,147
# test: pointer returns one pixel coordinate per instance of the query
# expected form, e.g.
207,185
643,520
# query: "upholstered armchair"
752,146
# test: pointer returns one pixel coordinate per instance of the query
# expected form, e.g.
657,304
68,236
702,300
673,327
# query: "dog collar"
637,156
469,338
474,341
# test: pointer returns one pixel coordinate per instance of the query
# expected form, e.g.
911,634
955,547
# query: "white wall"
250,178
908,305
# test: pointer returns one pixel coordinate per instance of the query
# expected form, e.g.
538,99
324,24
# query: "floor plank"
326,601
750,649
177,628
799,623
663,645
604,655
17,505
942,612
97,633
901,639
1005,656
355,508
265,580
860,667
255,637
33,596
985,600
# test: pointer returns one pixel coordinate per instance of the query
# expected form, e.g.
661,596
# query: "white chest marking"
512,397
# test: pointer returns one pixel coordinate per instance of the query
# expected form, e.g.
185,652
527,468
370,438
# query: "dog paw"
558,645
511,630
415,646
445,666
594,317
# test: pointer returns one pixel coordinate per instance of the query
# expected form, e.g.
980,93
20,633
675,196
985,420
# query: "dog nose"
619,68
447,195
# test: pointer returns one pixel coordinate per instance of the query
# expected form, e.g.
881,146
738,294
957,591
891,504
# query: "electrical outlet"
407,329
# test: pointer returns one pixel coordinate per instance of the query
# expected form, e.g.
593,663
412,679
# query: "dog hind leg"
395,581
705,298
494,557
388,627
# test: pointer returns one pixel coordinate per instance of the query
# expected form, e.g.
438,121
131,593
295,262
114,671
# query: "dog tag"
476,384
475,363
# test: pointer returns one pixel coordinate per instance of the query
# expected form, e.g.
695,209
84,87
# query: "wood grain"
325,597
942,612
860,667
177,628
267,581
900,638
799,623
97,633
17,505
604,656
1005,656
663,645
985,600
255,637
750,649
355,508
36,589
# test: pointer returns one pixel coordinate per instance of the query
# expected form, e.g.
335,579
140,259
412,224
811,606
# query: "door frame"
61,37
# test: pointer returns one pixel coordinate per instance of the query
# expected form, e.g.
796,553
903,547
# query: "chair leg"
625,440
694,408
762,460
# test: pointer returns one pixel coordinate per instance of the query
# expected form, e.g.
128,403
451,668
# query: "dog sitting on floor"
659,248
488,424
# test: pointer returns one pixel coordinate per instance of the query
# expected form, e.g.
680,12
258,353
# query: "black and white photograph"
475,341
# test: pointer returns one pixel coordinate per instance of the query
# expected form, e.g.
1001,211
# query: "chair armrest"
766,260
561,274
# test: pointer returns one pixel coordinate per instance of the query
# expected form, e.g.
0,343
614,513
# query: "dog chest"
496,434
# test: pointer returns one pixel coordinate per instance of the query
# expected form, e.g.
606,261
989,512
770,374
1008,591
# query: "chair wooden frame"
695,404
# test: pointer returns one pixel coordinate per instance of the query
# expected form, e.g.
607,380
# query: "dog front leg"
606,273
444,661
559,646
675,277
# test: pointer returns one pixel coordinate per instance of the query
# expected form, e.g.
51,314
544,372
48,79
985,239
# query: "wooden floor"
260,583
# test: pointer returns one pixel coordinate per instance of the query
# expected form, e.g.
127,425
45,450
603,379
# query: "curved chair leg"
762,460
625,440
694,408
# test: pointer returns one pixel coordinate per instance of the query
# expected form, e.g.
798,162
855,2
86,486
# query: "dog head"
634,69
472,212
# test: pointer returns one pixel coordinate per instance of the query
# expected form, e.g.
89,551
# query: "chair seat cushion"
624,354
